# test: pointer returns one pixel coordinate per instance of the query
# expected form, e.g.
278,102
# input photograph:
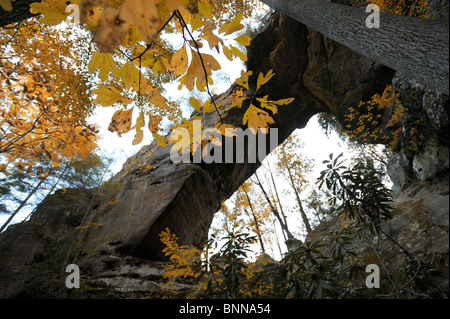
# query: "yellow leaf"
172,5
153,124
243,81
233,26
159,139
52,16
64,189
108,95
257,118
104,62
158,67
133,36
244,40
236,52
268,104
165,62
138,136
228,53
283,101
140,121
195,103
121,122
238,97
147,60
158,100
130,76
247,114
263,79
196,71
6,5
180,62
204,8
210,62
200,86
196,23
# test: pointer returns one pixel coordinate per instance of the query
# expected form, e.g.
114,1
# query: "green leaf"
6,5
233,26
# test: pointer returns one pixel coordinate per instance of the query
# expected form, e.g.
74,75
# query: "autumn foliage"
133,65
45,96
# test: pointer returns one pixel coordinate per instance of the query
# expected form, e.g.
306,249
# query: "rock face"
419,171
420,157
112,232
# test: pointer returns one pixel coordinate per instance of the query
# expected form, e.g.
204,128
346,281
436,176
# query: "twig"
184,25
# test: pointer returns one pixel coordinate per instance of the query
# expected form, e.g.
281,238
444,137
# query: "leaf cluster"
358,191
309,273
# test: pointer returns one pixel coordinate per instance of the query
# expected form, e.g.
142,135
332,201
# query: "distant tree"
294,167
21,189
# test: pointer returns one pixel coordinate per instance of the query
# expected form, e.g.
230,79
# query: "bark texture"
414,47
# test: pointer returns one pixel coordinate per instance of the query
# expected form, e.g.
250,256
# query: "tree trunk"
255,219
416,48
278,197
